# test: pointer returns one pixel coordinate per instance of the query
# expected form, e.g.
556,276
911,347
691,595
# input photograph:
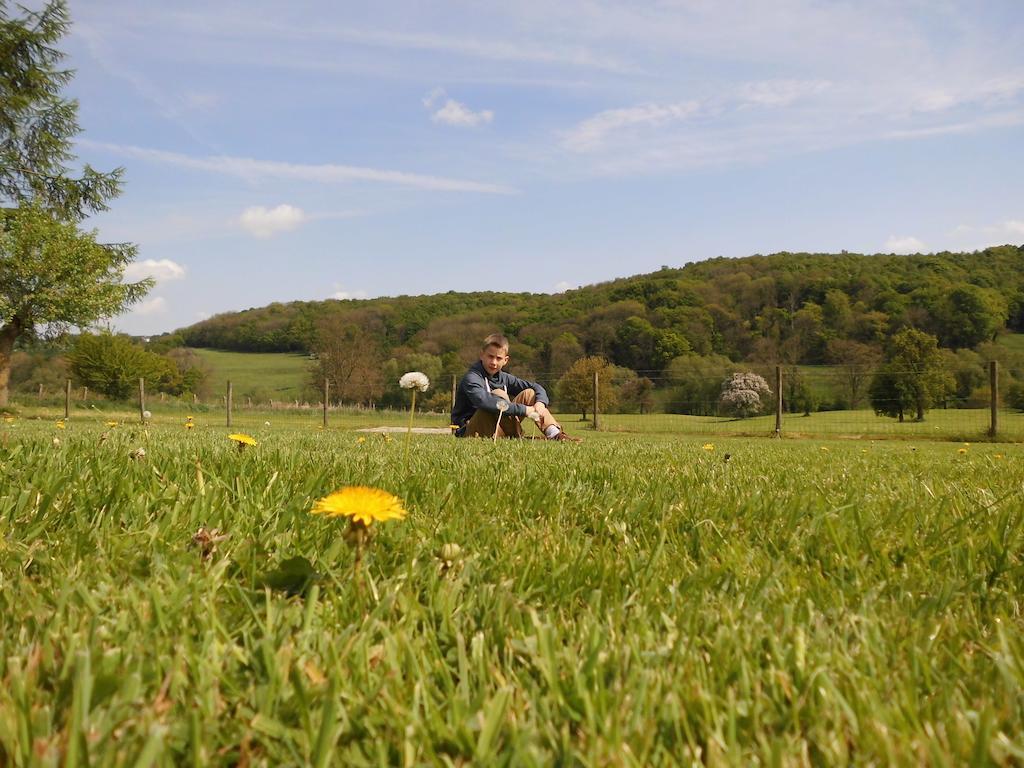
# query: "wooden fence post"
778,401
993,396
142,399
327,394
40,391
227,402
454,386
67,399
596,392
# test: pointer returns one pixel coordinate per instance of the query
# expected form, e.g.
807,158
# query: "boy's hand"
532,413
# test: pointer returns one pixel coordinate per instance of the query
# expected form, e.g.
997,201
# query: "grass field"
962,424
264,376
623,601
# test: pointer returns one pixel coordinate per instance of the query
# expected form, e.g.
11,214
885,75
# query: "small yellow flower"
360,440
998,456
111,423
961,451
362,504
709,446
60,424
242,439
824,448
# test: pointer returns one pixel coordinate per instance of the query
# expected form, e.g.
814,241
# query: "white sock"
552,432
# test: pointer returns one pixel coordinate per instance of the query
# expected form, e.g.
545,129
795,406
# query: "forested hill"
789,307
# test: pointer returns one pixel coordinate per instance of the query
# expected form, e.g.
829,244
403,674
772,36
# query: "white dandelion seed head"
502,405
147,415
414,380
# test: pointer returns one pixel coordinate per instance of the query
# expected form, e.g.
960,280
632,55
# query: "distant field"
263,376
1014,341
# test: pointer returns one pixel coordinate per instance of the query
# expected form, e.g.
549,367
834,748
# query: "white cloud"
780,93
155,306
455,112
265,222
202,315
327,173
903,245
1014,227
159,269
592,133
342,295
562,286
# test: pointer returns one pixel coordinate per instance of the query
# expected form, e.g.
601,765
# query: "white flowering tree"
743,394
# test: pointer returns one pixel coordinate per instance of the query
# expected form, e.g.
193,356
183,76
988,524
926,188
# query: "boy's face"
494,358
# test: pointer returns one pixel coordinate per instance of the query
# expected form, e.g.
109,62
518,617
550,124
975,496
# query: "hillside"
784,307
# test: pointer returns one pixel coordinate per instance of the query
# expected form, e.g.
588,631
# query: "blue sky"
308,150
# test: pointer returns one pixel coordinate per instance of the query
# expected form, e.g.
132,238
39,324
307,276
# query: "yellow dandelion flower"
961,451
709,446
111,423
360,439
189,425
242,439
60,425
362,504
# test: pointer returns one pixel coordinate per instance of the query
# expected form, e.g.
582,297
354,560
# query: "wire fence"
798,401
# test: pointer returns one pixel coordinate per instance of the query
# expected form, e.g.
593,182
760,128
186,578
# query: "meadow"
653,600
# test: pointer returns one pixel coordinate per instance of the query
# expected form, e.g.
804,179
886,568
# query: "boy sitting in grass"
477,413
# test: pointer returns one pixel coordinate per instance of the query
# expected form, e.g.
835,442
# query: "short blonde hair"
496,340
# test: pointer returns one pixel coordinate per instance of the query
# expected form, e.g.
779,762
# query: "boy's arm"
475,390
516,385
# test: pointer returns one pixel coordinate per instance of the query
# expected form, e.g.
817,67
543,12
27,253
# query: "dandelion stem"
408,432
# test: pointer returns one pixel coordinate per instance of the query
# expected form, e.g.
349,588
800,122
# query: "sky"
310,150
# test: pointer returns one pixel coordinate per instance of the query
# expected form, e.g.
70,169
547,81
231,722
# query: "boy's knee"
526,397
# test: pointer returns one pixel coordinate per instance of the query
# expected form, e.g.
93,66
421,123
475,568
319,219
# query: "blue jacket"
473,394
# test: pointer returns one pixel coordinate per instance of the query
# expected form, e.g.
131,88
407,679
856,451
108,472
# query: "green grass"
620,602
1012,341
264,376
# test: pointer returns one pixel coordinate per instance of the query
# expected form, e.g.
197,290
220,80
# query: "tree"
52,276
113,365
742,394
576,387
855,361
696,383
37,125
350,359
969,315
913,375
638,391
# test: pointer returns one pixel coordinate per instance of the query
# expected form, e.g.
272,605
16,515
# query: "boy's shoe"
562,436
